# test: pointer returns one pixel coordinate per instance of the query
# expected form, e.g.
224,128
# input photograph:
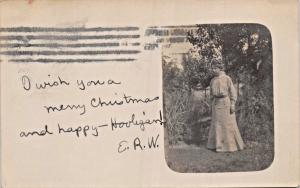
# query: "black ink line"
69,60
173,26
66,37
57,45
71,29
104,125
157,32
135,44
54,53
177,32
177,39
171,39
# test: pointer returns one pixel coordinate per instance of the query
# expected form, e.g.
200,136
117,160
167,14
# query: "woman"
224,135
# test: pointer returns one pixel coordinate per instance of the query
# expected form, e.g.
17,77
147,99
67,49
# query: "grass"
196,158
188,121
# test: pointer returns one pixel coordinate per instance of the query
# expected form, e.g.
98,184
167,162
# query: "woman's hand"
232,108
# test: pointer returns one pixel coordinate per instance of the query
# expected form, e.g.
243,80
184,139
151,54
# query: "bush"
246,51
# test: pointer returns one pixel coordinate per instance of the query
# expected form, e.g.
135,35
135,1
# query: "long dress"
224,135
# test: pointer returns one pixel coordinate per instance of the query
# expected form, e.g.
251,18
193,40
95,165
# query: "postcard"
149,93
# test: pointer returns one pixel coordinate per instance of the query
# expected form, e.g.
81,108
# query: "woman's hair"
217,64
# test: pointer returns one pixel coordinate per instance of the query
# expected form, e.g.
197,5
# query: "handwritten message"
141,120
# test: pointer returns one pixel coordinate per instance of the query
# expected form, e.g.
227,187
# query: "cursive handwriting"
126,99
100,103
66,107
123,146
81,130
82,84
26,82
43,132
141,123
138,144
87,104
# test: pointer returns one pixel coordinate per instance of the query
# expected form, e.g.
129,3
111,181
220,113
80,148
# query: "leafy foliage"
246,52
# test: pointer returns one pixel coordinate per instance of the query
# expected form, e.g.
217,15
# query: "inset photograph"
218,98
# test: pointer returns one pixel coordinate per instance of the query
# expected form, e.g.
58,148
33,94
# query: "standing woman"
224,135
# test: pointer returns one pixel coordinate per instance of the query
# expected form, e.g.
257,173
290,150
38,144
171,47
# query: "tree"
246,52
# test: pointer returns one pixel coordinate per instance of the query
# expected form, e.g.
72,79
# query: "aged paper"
121,93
